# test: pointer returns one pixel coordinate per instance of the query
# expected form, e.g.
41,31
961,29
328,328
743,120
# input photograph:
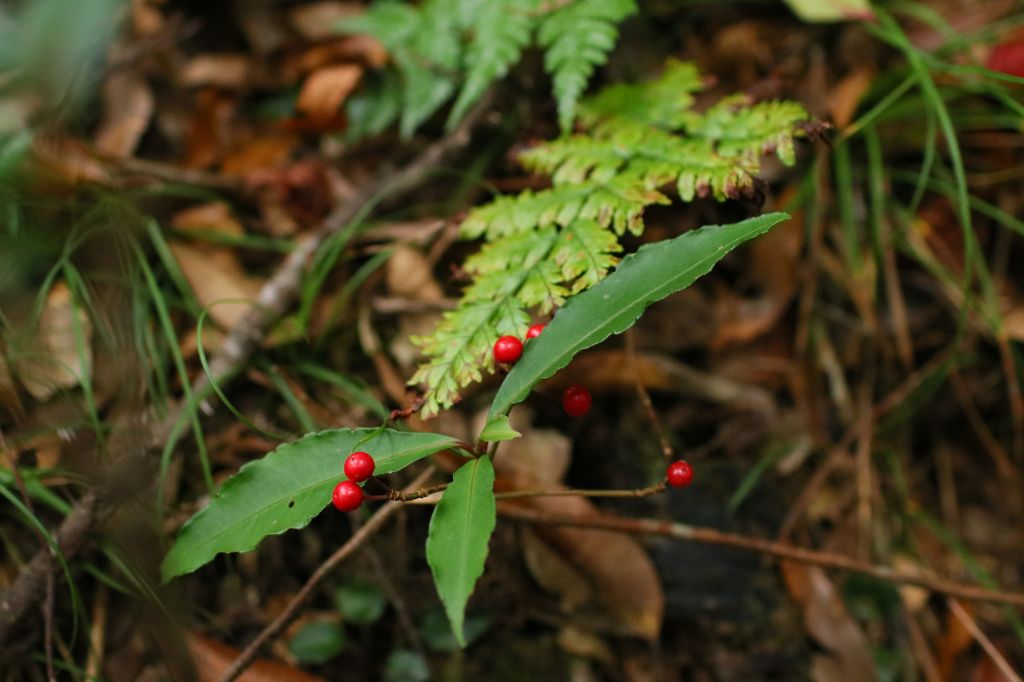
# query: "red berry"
534,331
347,496
679,474
576,401
1008,58
359,466
507,349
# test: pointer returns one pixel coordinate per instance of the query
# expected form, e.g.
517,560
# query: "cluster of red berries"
348,496
576,400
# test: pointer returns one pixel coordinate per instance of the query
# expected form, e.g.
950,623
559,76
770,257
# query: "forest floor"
849,384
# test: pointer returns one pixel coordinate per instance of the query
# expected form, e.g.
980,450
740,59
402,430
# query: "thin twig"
48,626
396,496
395,597
400,496
271,631
580,492
645,399
997,657
175,174
779,550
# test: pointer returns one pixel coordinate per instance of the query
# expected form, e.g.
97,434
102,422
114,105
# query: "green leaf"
360,602
498,429
611,307
460,529
831,10
404,665
317,642
287,488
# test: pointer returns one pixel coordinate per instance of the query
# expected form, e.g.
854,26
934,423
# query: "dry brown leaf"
212,659
553,573
955,640
410,276
326,89
127,110
52,362
632,602
846,95
226,70
9,398
362,49
914,598
61,163
986,670
266,151
209,128
215,275
584,644
146,19
773,266
621,576
830,625
213,216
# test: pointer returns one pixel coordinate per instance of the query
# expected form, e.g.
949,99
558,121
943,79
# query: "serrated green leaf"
500,32
460,529
577,37
498,429
424,91
611,307
374,107
287,488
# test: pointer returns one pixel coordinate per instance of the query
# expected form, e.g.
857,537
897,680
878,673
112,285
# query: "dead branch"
778,550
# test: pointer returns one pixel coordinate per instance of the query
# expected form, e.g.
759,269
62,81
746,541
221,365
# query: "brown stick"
372,525
779,550
17,600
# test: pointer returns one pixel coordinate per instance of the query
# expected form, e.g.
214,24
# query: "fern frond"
500,32
577,38
428,65
543,246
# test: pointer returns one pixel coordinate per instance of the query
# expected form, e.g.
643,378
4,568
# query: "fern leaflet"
576,38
